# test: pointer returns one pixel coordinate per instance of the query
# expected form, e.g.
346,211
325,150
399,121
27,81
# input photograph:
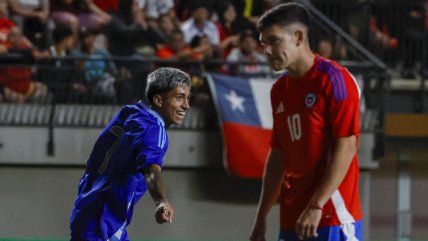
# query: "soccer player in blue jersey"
127,158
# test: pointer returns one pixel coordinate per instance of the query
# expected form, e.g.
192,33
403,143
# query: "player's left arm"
164,211
343,153
344,115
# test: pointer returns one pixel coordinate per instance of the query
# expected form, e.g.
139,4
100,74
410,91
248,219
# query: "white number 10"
294,127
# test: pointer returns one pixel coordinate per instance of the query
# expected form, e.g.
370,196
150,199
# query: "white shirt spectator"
260,65
32,4
210,29
155,8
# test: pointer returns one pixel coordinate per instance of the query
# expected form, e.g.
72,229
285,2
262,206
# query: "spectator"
78,14
166,26
245,59
228,27
17,79
199,23
62,41
183,9
201,46
108,6
128,31
59,74
415,39
153,9
326,47
203,51
99,70
177,49
32,17
5,22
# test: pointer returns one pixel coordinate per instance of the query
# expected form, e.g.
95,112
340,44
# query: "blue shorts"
344,232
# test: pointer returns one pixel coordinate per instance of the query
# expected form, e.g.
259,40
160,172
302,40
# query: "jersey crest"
310,100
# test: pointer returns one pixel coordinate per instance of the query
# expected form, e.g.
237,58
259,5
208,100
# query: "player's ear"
300,37
157,100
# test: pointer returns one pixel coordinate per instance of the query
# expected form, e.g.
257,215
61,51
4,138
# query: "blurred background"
67,66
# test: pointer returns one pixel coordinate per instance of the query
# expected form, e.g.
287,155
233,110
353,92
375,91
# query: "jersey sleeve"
150,146
275,142
344,107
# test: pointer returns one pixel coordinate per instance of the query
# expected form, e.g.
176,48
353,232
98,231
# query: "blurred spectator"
128,33
98,67
229,25
78,14
326,47
166,26
17,78
184,9
108,6
380,41
415,39
202,48
204,52
5,22
32,17
58,72
62,37
153,9
245,59
177,49
199,23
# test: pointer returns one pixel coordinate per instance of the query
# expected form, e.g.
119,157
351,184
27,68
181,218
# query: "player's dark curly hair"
285,14
165,79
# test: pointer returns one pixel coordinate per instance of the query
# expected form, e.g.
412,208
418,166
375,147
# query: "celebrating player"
312,168
127,159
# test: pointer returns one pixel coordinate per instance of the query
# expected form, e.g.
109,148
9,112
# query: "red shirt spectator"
107,5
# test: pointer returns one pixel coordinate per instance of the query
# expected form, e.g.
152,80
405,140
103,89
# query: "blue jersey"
114,180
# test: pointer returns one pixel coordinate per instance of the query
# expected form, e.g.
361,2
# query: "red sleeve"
275,142
344,108
164,53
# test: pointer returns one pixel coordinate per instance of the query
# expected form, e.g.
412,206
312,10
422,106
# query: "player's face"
175,103
280,46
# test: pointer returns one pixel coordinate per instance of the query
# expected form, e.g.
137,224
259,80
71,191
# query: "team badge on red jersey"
310,100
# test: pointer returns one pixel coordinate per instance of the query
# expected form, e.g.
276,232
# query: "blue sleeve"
150,146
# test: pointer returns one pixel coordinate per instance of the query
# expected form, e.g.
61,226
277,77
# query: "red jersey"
309,114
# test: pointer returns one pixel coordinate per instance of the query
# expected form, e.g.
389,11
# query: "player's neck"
302,65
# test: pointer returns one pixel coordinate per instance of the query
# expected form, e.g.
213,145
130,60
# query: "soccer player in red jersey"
312,169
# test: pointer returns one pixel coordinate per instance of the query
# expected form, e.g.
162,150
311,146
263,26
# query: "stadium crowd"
99,37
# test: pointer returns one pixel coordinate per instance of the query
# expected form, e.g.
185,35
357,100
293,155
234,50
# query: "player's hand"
258,232
307,224
164,213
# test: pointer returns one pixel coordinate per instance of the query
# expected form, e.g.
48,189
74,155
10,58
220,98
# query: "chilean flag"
245,112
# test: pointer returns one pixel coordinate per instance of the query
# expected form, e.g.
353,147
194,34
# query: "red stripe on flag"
247,148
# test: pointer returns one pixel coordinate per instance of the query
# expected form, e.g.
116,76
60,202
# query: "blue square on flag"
243,105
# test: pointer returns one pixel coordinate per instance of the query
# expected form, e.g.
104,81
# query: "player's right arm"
164,211
272,179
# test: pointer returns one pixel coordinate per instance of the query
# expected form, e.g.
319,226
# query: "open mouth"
181,113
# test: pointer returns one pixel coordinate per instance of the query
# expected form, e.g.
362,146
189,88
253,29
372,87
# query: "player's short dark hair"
165,79
285,14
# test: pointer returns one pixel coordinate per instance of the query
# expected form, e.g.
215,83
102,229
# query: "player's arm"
154,181
272,179
343,153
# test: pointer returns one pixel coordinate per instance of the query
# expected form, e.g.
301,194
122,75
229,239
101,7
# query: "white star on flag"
236,101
